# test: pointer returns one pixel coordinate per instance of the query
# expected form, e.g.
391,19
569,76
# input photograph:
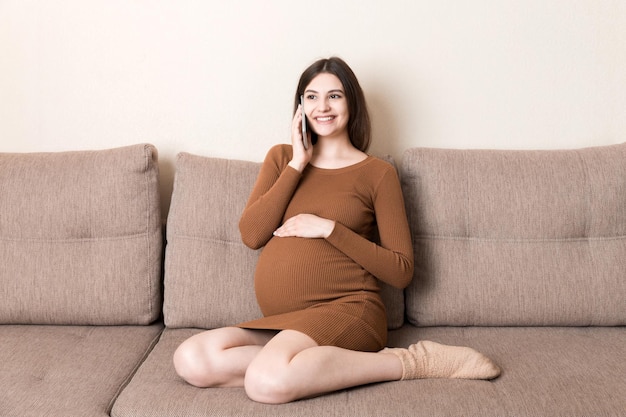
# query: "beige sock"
427,359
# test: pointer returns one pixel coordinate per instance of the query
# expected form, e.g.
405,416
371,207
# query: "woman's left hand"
307,226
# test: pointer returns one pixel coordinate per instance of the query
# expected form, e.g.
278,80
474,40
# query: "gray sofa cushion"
574,372
69,371
517,237
80,237
209,273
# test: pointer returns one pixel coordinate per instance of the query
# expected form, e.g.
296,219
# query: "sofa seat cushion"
547,372
68,371
517,238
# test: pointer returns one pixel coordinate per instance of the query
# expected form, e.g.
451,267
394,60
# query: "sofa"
518,254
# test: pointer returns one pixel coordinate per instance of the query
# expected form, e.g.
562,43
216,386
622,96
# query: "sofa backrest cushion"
517,238
80,237
209,272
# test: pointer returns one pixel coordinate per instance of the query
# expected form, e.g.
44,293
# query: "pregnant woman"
332,225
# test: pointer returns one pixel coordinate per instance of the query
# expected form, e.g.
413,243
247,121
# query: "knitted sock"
427,359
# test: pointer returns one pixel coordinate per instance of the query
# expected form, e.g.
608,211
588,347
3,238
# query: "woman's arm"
270,196
392,260
275,185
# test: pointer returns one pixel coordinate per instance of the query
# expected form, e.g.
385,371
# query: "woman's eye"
311,97
335,96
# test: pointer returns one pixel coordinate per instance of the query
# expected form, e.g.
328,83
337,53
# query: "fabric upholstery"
517,238
573,372
80,237
209,273
69,371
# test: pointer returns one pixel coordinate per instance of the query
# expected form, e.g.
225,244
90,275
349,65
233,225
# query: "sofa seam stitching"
148,236
73,240
204,239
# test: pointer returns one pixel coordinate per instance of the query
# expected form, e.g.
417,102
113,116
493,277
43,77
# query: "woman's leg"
219,357
278,368
292,366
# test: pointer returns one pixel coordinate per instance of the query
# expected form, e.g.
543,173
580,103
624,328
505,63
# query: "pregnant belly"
295,273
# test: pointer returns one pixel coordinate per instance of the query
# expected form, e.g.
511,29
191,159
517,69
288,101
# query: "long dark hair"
359,126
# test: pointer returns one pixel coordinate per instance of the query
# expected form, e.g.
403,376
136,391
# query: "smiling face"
326,106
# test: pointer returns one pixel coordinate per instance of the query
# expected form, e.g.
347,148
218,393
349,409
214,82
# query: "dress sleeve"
269,199
392,260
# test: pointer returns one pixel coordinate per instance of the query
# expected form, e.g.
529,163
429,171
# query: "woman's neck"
333,153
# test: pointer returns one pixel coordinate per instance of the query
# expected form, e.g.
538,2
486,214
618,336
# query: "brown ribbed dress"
328,288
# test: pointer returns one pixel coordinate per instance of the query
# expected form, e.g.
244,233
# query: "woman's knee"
192,364
269,384
272,376
198,360
203,361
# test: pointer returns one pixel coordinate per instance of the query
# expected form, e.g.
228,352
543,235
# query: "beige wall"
217,77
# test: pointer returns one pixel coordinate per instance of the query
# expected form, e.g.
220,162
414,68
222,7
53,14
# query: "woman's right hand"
301,156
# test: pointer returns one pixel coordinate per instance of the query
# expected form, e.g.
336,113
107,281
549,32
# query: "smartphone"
305,138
